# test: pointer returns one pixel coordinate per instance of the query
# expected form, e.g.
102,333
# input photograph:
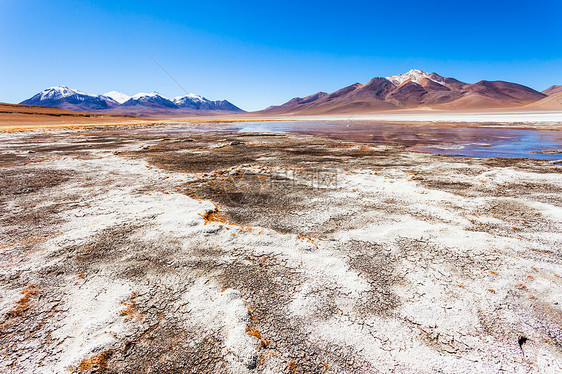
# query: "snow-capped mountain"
120,97
189,98
413,89
141,104
151,100
416,76
67,98
197,102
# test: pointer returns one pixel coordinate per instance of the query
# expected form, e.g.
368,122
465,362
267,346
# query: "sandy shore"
130,252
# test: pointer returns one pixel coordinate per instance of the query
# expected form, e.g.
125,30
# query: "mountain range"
142,104
414,89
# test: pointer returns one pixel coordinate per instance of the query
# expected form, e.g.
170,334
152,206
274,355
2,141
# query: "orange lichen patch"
491,290
492,272
460,285
131,306
534,268
251,313
415,177
256,334
557,275
515,228
325,366
24,303
520,286
309,239
97,362
530,277
253,332
128,312
214,215
79,275
292,366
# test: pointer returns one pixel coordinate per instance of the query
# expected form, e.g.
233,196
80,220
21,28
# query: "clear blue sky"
260,53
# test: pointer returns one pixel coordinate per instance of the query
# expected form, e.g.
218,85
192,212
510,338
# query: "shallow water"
484,142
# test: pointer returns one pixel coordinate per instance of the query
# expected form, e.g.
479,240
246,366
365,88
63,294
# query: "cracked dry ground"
128,251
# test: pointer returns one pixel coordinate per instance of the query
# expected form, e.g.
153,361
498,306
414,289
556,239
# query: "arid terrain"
130,250
18,116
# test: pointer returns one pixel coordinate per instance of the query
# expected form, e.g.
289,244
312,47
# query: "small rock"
253,363
24,190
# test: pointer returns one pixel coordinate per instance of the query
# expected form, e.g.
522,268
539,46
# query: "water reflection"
466,141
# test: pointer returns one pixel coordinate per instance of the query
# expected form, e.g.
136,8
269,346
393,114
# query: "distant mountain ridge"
142,104
413,89
552,101
552,90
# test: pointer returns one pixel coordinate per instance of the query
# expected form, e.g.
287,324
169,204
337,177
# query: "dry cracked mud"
131,251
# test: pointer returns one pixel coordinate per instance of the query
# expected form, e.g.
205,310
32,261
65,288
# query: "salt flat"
550,119
133,251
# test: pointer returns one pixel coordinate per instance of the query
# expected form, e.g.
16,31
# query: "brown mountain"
552,101
552,90
411,90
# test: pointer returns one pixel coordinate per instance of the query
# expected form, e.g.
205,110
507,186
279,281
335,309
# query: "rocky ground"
138,252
